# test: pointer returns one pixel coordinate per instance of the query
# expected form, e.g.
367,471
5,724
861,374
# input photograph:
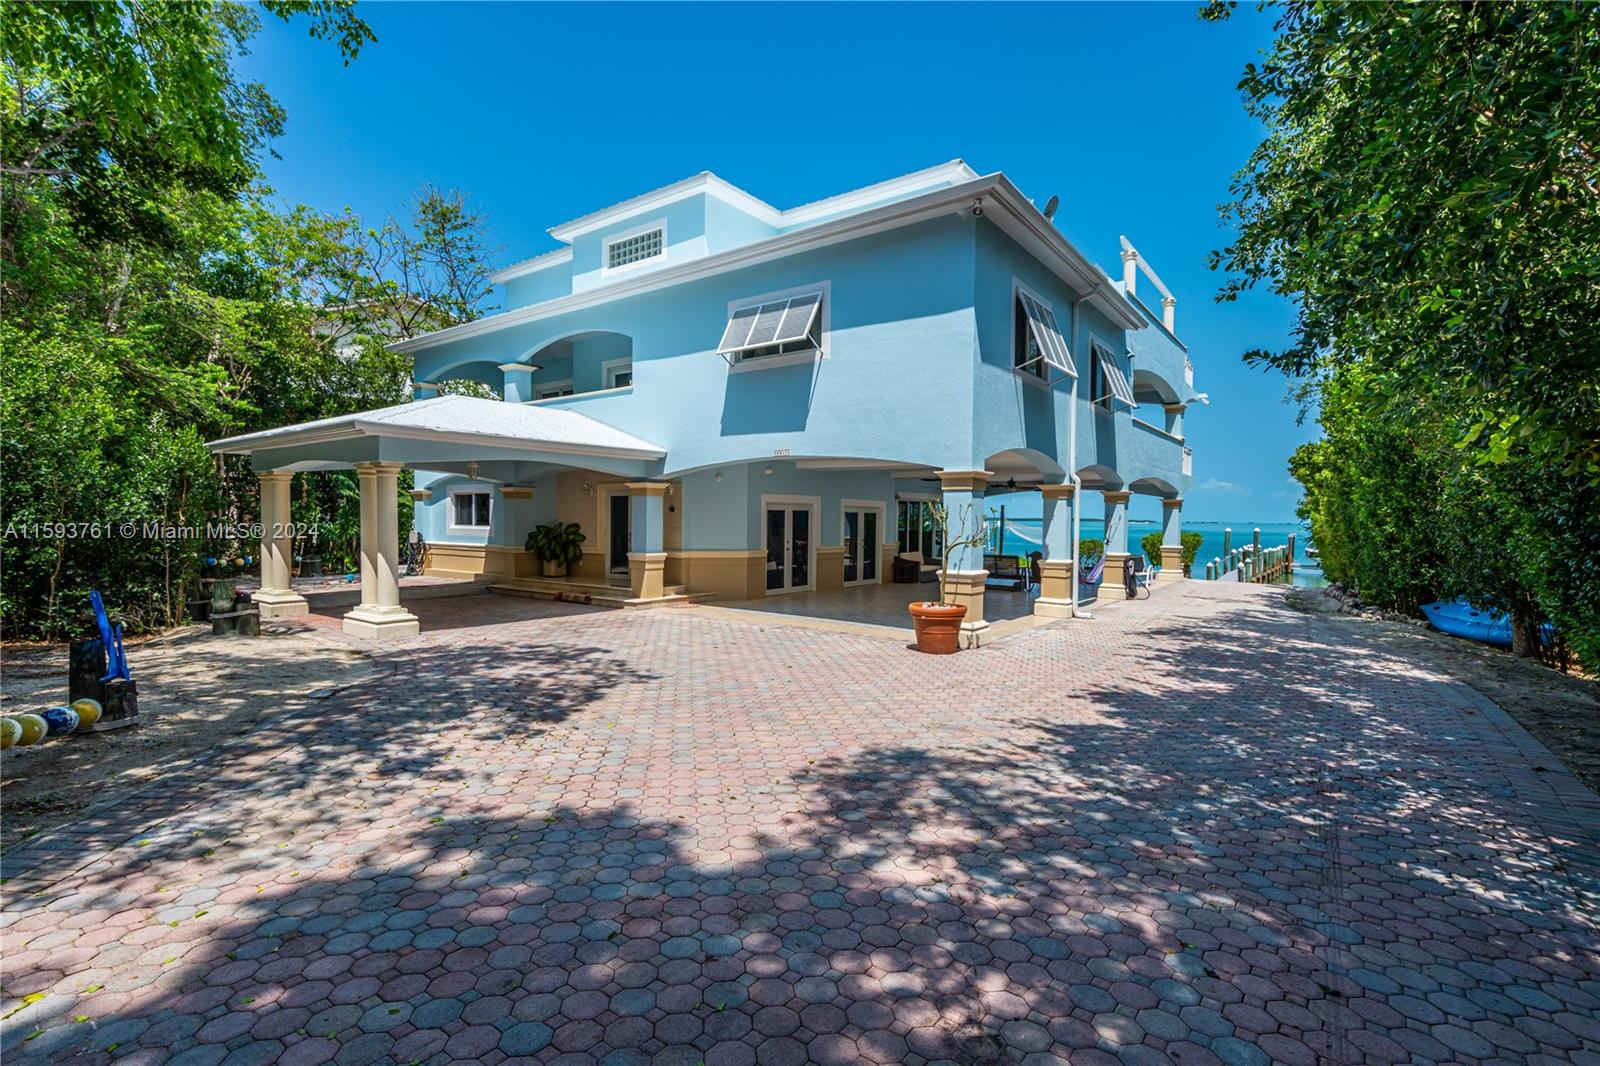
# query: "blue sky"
543,112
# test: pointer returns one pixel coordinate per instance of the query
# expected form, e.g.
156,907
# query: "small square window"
469,510
634,249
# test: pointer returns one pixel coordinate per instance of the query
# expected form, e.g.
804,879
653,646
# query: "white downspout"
1072,466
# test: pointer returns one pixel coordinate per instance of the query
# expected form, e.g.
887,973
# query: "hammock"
1093,576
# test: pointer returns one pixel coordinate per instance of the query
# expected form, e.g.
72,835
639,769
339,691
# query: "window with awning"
1115,383
777,327
1043,345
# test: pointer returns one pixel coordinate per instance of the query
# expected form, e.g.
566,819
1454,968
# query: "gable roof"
459,418
709,184
1002,201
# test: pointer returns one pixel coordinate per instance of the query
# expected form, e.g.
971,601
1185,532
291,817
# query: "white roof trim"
459,420
1020,219
955,172
531,266
706,182
703,182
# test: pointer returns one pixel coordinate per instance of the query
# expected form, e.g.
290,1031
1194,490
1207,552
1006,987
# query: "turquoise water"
1023,535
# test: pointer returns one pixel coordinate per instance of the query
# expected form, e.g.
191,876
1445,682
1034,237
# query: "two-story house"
740,401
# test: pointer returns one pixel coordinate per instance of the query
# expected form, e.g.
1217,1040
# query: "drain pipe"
1072,467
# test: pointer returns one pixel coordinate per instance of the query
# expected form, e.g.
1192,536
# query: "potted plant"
558,547
938,625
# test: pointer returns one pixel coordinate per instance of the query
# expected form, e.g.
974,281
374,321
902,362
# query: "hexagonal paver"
1200,829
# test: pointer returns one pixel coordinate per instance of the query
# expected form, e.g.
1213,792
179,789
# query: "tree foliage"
156,297
1428,193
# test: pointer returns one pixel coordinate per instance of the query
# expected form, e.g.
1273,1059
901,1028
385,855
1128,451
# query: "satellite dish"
1050,207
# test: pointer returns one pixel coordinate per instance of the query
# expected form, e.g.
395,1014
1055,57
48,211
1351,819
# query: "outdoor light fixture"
588,488
472,471
768,471
719,475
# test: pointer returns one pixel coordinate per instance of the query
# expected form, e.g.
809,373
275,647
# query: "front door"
861,546
618,555
788,549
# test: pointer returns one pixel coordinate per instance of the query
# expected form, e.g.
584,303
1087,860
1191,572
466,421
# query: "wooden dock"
1252,562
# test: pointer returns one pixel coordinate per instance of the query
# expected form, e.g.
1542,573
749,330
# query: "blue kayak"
1461,619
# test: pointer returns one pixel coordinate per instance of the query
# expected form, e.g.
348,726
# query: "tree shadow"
1197,842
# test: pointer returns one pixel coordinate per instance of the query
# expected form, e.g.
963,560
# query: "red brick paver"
1198,829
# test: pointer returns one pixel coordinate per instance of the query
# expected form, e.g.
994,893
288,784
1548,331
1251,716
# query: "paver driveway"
1200,828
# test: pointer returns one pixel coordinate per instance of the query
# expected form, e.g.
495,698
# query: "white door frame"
812,504
883,523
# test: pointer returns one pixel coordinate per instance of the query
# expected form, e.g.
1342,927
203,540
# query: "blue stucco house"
740,401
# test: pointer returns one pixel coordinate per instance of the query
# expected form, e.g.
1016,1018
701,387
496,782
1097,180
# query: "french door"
789,531
861,554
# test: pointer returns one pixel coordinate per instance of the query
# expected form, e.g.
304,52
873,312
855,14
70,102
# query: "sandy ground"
195,692
1561,710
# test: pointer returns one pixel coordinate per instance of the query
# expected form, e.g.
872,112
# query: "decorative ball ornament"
89,711
33,729
10,732
60,721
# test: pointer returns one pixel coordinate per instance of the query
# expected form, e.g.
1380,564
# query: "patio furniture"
1034,576
1005,570
1092,578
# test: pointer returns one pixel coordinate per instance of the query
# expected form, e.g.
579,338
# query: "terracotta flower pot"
938,626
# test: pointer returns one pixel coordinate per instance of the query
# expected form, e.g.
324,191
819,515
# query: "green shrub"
1089,550
559,543
1191,546
1151,543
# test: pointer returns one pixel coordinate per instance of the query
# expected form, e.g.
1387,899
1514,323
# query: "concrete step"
593,593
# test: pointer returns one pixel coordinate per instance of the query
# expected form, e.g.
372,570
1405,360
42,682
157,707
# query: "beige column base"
647,574
965,588
1112,575
280,603
379,623
1171,564
1055,589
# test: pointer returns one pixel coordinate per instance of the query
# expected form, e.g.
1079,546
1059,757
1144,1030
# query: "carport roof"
460,420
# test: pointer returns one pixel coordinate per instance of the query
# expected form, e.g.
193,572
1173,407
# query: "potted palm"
938,625
558,546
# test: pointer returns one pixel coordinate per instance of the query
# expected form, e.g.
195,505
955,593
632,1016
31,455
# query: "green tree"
1428,194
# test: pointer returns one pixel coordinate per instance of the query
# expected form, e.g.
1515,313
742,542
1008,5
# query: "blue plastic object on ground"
111,640
1460,619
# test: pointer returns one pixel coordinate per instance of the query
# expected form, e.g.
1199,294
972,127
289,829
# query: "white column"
276,598
1130,270
1169,314
380,613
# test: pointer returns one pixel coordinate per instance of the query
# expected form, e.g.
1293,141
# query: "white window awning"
1116,380
785,321
1042,324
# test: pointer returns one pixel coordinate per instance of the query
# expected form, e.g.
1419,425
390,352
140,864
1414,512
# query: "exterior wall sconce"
472,471
768,471
588,488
